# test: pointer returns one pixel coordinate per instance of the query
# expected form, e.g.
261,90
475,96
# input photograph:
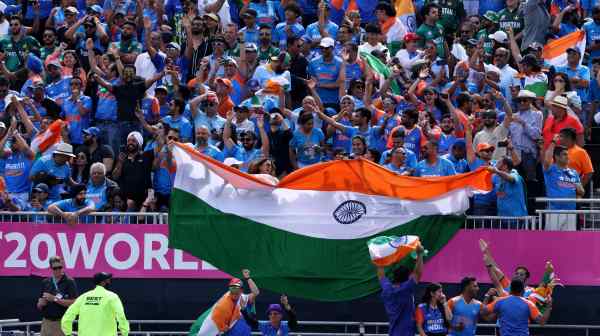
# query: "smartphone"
444,95
503,143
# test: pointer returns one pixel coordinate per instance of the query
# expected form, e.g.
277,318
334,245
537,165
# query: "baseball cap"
274,307
230,161
71,9
99,277
491,16
235,282
569,50
484,147
251,46
225,82
411,37
173,45
327,42
93,131
41,187
250,12
499,36
162,88
212,16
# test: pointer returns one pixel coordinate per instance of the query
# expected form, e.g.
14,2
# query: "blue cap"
12,10
253,84
274,307
34,64
93,131
460,143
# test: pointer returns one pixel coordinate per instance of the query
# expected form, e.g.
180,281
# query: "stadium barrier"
93,218
310,328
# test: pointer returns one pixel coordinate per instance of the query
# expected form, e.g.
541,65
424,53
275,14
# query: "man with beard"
204,112
49,43
99,187
592,35
247,151
457,156
266,50
17,46
129,47
483,204
492,132
132,171
202,145
414,138
197,45
466,309
72,208
433,164
99,310
508,75
97,152
329,71
447,137
290,27
176,120
76,111
216,59
128,95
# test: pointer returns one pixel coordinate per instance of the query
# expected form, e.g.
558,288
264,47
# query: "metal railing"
93,218
502,223
308,328
586,217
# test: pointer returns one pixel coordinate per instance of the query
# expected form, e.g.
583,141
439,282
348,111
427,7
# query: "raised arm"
264,138
254,291
549,154
154,79
469,141
418,271
102,82
227,131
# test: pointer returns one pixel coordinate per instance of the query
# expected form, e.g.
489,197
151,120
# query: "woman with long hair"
432,315
359,146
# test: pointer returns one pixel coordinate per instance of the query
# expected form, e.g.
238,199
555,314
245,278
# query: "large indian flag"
555,51
307,236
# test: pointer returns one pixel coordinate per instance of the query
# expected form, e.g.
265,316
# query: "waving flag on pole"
405,10
555,51
307,236
381,69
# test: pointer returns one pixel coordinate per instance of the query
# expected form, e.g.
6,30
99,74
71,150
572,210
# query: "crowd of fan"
272,86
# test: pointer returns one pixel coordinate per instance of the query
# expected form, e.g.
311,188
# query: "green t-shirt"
129,47
267,54
488,45
512,19
16,52
432,33
453,11
46,51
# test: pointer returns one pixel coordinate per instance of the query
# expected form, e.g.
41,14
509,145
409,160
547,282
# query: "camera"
503,143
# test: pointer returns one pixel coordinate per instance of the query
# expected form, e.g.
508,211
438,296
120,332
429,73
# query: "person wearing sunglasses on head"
59,291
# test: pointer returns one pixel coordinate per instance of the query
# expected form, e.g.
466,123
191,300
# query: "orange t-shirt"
225,105
580,161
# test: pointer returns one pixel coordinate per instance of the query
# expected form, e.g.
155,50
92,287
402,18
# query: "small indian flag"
385,251
46,141
307,235
381,69
555,51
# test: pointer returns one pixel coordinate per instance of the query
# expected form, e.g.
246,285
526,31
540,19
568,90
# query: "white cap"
499,36
230,161
327,42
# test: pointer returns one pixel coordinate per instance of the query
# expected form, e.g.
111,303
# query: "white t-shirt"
146,69
407,60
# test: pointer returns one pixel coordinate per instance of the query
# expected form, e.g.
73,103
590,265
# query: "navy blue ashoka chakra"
349,212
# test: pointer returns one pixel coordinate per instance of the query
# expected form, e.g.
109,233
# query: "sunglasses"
264,34
173,138
57,267
246,139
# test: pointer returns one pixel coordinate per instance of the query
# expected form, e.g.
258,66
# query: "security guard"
99,311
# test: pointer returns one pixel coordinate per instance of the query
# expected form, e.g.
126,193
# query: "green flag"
381,69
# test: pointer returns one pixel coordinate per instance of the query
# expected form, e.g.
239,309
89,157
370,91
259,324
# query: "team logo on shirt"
349,212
